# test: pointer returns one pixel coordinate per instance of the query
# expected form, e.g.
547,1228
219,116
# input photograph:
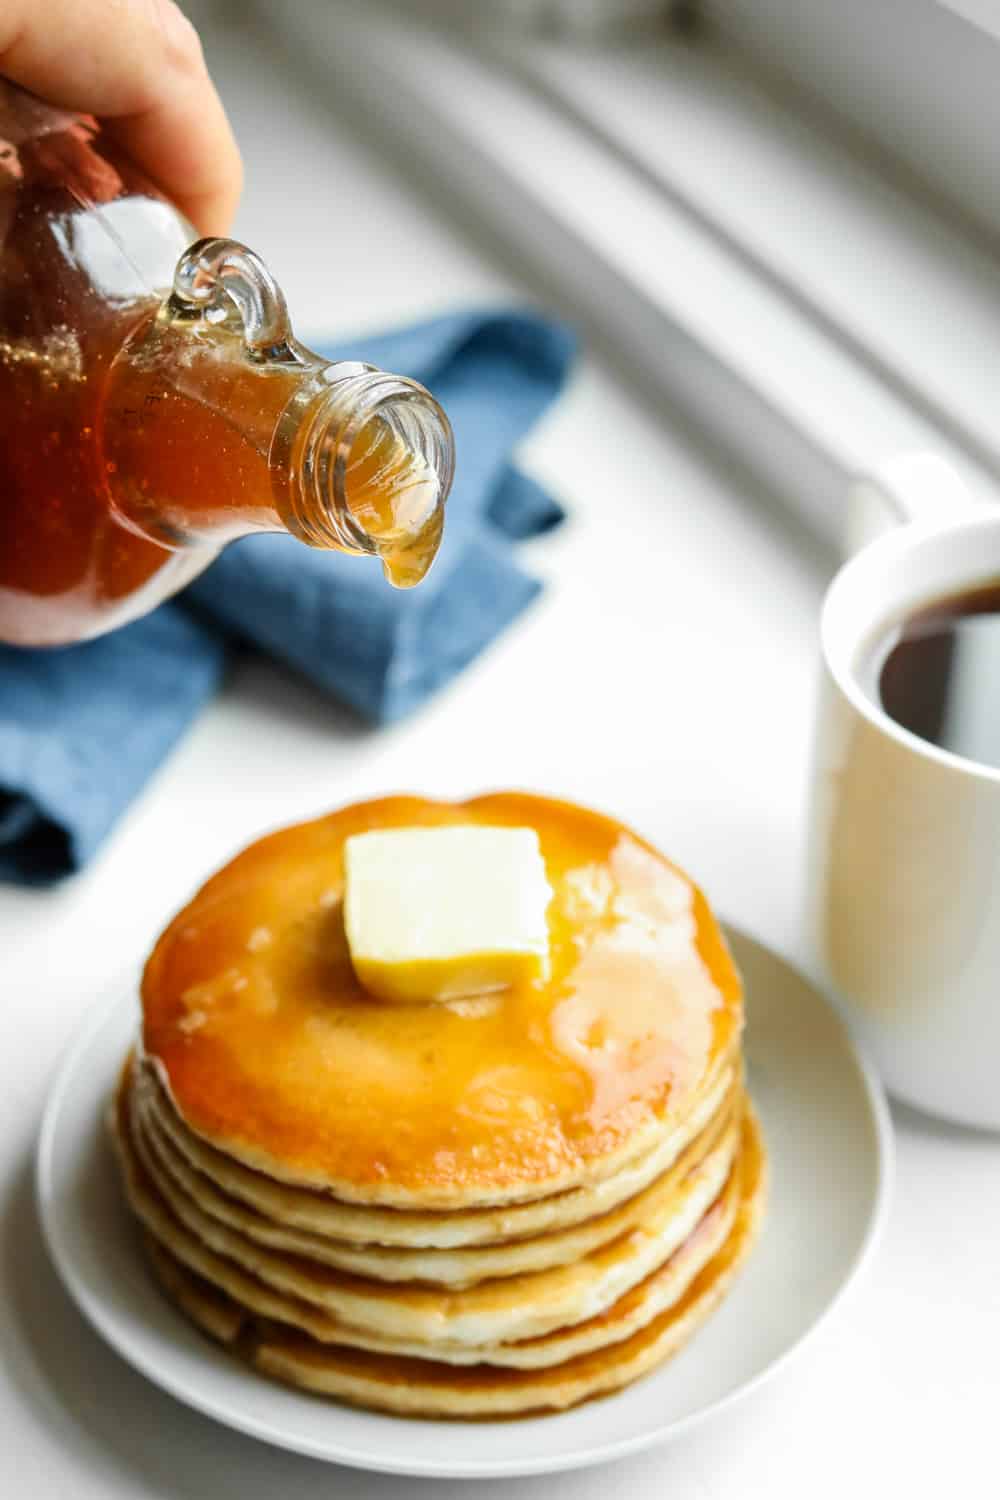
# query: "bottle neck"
361,461
217,422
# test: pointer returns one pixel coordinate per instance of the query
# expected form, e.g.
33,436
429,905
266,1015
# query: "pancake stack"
501,1204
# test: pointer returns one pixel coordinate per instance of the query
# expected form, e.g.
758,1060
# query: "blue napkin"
83,727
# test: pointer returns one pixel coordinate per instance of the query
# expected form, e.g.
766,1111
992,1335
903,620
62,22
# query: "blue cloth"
83,727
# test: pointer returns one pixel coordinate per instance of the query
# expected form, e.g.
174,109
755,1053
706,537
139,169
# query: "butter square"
437,913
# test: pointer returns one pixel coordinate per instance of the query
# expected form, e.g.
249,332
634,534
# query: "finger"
138,65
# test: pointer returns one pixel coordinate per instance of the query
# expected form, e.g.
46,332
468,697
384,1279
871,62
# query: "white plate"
827,1130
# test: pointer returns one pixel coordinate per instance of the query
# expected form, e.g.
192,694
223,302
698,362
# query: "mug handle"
919,486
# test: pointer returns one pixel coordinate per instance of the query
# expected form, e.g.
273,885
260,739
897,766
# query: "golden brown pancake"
273,1053
652,1296
317,1213
460,1267
430,1387
499,1310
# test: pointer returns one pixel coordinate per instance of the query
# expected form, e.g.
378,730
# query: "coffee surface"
938,673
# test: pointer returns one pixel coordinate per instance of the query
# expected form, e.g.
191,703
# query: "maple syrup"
265,1036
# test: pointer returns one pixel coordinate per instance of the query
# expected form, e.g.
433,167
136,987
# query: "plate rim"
604,1452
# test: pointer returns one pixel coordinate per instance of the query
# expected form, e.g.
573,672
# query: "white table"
667,675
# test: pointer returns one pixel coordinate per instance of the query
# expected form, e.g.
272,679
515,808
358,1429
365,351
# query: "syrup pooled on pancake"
272,1051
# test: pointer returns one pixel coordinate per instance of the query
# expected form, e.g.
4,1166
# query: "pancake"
318,1214
431,1387
500,1310
478,1207
460,1267
273,1054
238,1288
633,1311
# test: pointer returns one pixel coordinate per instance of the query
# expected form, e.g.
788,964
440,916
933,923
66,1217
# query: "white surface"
878,267
982,12
916,77
667,675
827,1131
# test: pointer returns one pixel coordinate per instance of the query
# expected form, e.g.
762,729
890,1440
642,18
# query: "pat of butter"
435,913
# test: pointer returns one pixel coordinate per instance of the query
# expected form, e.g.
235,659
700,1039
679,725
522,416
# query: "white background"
667,676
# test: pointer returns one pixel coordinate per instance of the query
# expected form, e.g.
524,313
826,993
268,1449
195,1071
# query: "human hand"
138,66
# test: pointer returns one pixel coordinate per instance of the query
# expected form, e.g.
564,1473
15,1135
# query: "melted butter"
272,1044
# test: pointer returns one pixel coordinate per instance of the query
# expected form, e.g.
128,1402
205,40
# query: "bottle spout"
393,471
372,463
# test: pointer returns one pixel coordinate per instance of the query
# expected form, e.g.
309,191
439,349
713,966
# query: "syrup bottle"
156,405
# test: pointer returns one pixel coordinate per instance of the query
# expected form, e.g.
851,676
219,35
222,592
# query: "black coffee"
938,673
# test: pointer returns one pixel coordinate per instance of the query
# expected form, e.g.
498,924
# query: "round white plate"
827,1130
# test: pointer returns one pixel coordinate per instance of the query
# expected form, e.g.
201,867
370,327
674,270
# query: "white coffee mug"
903,878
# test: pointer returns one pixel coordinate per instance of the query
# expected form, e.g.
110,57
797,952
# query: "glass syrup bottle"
157,405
